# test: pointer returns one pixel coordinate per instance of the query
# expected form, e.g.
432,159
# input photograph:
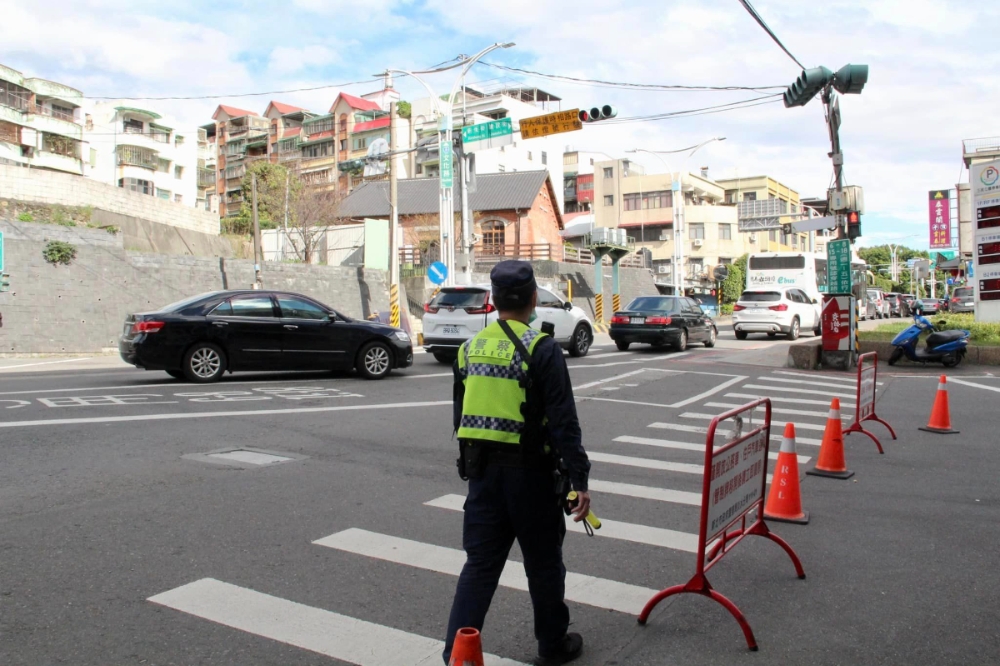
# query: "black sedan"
202,337
662,320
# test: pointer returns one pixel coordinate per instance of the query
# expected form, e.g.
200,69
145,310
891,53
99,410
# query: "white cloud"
290,59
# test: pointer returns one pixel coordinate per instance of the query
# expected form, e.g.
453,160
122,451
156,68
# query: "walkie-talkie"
548,328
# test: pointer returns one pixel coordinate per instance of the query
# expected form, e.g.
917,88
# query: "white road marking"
606,354
774,424
832,394
428,376
611,529
853,379
952,380
609,379
791,401
645,492
721,387
166,385
684,446
804,382
624,402
775,436
647,463
211,415
774,410
30,365
589,590
314,629
644,359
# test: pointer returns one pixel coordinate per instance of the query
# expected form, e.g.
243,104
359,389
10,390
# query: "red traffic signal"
598,113
853,224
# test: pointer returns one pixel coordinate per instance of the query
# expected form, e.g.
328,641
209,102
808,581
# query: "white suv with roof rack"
456,314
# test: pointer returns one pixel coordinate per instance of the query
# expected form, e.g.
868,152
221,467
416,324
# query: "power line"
731,106
629,86
753,12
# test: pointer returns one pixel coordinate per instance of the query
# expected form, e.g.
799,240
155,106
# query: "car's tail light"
619,319
779,308
430,308
486,308
146,327
738,307
658,321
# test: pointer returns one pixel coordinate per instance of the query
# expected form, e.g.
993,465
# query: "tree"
404,109
735,282
313,211
277,188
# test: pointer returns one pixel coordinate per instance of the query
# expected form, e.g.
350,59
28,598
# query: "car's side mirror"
814,301
568,305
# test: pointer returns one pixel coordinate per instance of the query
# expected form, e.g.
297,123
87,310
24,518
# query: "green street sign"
447,166
838,266
490,130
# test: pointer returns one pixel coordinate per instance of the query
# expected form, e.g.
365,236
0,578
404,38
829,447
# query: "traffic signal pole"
833,124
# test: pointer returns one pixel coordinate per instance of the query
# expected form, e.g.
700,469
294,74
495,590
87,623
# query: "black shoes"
572,647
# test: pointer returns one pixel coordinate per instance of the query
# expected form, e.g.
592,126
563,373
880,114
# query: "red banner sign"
837,323
939,208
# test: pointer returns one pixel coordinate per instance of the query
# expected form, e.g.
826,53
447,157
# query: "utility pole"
258,253
393,220
467,233
284,236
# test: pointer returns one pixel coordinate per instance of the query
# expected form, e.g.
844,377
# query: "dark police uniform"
512,496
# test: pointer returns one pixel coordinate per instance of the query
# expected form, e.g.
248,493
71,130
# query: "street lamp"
677,199
893,247
446,200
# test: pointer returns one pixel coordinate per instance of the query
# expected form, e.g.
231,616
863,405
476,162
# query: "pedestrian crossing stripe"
789,401
774,410
799,391
684,446
775,436
611,529
802,381
774,424
580,588
314,629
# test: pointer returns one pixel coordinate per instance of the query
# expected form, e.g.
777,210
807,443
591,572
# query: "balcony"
206,177
248,126
53,125
53,113
137,156
569,194
56,162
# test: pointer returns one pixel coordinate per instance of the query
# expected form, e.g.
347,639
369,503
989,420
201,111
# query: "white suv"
456,314
776,311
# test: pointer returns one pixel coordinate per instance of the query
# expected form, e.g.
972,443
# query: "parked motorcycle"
946,347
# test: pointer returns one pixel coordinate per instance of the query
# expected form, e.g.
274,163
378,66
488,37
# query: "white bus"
801,270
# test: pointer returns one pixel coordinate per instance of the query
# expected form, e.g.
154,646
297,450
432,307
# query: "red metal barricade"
734,485
864,410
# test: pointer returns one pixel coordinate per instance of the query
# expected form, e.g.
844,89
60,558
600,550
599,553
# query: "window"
360,143
343,144
130,126
772,235
93,158
659,304
178,140
159,134
609,200
178,172
760,296
529,155
749,196
725,232
178,198
570,159
252,306
785,238
609,172
318,150
546,299
696,231
591,161
649,234
585,185
493,236
648,200
726,261
777,263
163,194
223,309
545,157
320,125
162,165
691,307
136,185
297,308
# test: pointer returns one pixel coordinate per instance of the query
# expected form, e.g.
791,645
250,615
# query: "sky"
932,79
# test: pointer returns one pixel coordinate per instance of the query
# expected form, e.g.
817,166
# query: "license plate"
449,330
756,310
970,304
637,320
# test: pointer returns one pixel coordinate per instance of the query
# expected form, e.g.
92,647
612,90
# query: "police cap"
513,284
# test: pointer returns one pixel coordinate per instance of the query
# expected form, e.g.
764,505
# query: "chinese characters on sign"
552,123
984,181
737,476
939,209
838,266
493,134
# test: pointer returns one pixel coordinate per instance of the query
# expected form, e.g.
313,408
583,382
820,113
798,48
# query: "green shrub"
25,217
982,333
727,309
59,252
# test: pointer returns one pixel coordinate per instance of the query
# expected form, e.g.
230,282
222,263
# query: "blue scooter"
946,347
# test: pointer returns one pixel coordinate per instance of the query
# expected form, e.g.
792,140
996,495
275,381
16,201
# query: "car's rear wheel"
682,342
447,358
622,346
818,331
741,335
580,343
176,374
374,360
793,332
712,335
204,363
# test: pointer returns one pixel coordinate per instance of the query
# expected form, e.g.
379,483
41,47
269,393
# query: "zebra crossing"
669,449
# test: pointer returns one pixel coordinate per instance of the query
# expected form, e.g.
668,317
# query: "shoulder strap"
518,345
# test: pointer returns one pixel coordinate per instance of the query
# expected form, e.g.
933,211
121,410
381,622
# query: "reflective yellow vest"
494,394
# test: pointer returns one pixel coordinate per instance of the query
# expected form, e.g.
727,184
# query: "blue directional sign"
437,272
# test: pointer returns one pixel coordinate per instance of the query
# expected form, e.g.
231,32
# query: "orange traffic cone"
831,452
940,421
784,503
468,648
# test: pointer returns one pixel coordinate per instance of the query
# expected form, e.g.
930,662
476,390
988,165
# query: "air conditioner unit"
664,235
753,238
698,242
663,268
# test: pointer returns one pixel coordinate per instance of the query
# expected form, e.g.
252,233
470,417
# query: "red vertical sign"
939,208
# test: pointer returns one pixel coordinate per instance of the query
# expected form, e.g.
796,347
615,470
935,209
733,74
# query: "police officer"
514,418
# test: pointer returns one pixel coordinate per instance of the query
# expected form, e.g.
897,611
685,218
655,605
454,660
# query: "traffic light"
850,79
853,224
598,113
4,281
810,82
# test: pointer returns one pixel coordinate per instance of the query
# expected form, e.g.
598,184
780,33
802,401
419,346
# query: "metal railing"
15,97
764,208
984,145
206,177
137,156
54,113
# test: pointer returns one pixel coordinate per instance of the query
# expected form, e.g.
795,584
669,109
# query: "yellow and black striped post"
569,290
599,309
616,302
394,305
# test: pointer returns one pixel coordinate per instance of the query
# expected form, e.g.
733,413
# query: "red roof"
283,108
371,124
232,112
355,103
320,135
290,131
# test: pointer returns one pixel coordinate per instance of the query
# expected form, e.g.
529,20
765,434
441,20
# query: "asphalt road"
126,539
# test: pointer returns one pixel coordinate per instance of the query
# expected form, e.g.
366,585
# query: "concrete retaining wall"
81,307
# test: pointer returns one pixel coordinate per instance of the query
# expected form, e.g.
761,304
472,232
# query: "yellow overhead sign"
551,123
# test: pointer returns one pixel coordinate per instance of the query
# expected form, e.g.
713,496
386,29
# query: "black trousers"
512,503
